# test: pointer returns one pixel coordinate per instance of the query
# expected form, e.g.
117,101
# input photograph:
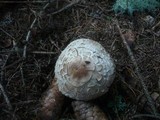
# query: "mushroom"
84,70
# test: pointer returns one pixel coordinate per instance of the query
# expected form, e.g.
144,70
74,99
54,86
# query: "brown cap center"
78,70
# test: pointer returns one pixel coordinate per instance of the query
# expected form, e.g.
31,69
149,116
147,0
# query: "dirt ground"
33,34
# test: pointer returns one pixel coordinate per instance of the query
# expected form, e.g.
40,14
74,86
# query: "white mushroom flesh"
84,70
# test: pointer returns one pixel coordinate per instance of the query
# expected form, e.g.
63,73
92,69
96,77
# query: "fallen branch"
141,80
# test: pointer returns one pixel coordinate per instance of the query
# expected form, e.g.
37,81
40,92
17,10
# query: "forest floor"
33,34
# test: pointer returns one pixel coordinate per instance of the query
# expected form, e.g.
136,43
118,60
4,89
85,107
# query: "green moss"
130,6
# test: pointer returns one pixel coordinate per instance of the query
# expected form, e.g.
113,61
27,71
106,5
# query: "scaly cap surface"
84,70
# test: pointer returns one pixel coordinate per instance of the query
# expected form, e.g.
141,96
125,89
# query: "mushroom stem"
51,103
87,111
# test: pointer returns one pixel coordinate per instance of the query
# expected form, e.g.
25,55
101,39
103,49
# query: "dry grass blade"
1,81
137,70
66,7
7,33
43,52
5,97
28,36
146,116
87,111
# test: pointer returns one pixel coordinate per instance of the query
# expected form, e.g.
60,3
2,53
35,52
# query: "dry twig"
43,52
5,97
7,33
10,108
137,71
145,116
31,27
1,86
64,8
28,36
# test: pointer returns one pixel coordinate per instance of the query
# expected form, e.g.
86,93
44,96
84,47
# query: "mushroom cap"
84,70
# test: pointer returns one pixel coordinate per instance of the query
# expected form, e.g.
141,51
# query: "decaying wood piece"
87,111
51,103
